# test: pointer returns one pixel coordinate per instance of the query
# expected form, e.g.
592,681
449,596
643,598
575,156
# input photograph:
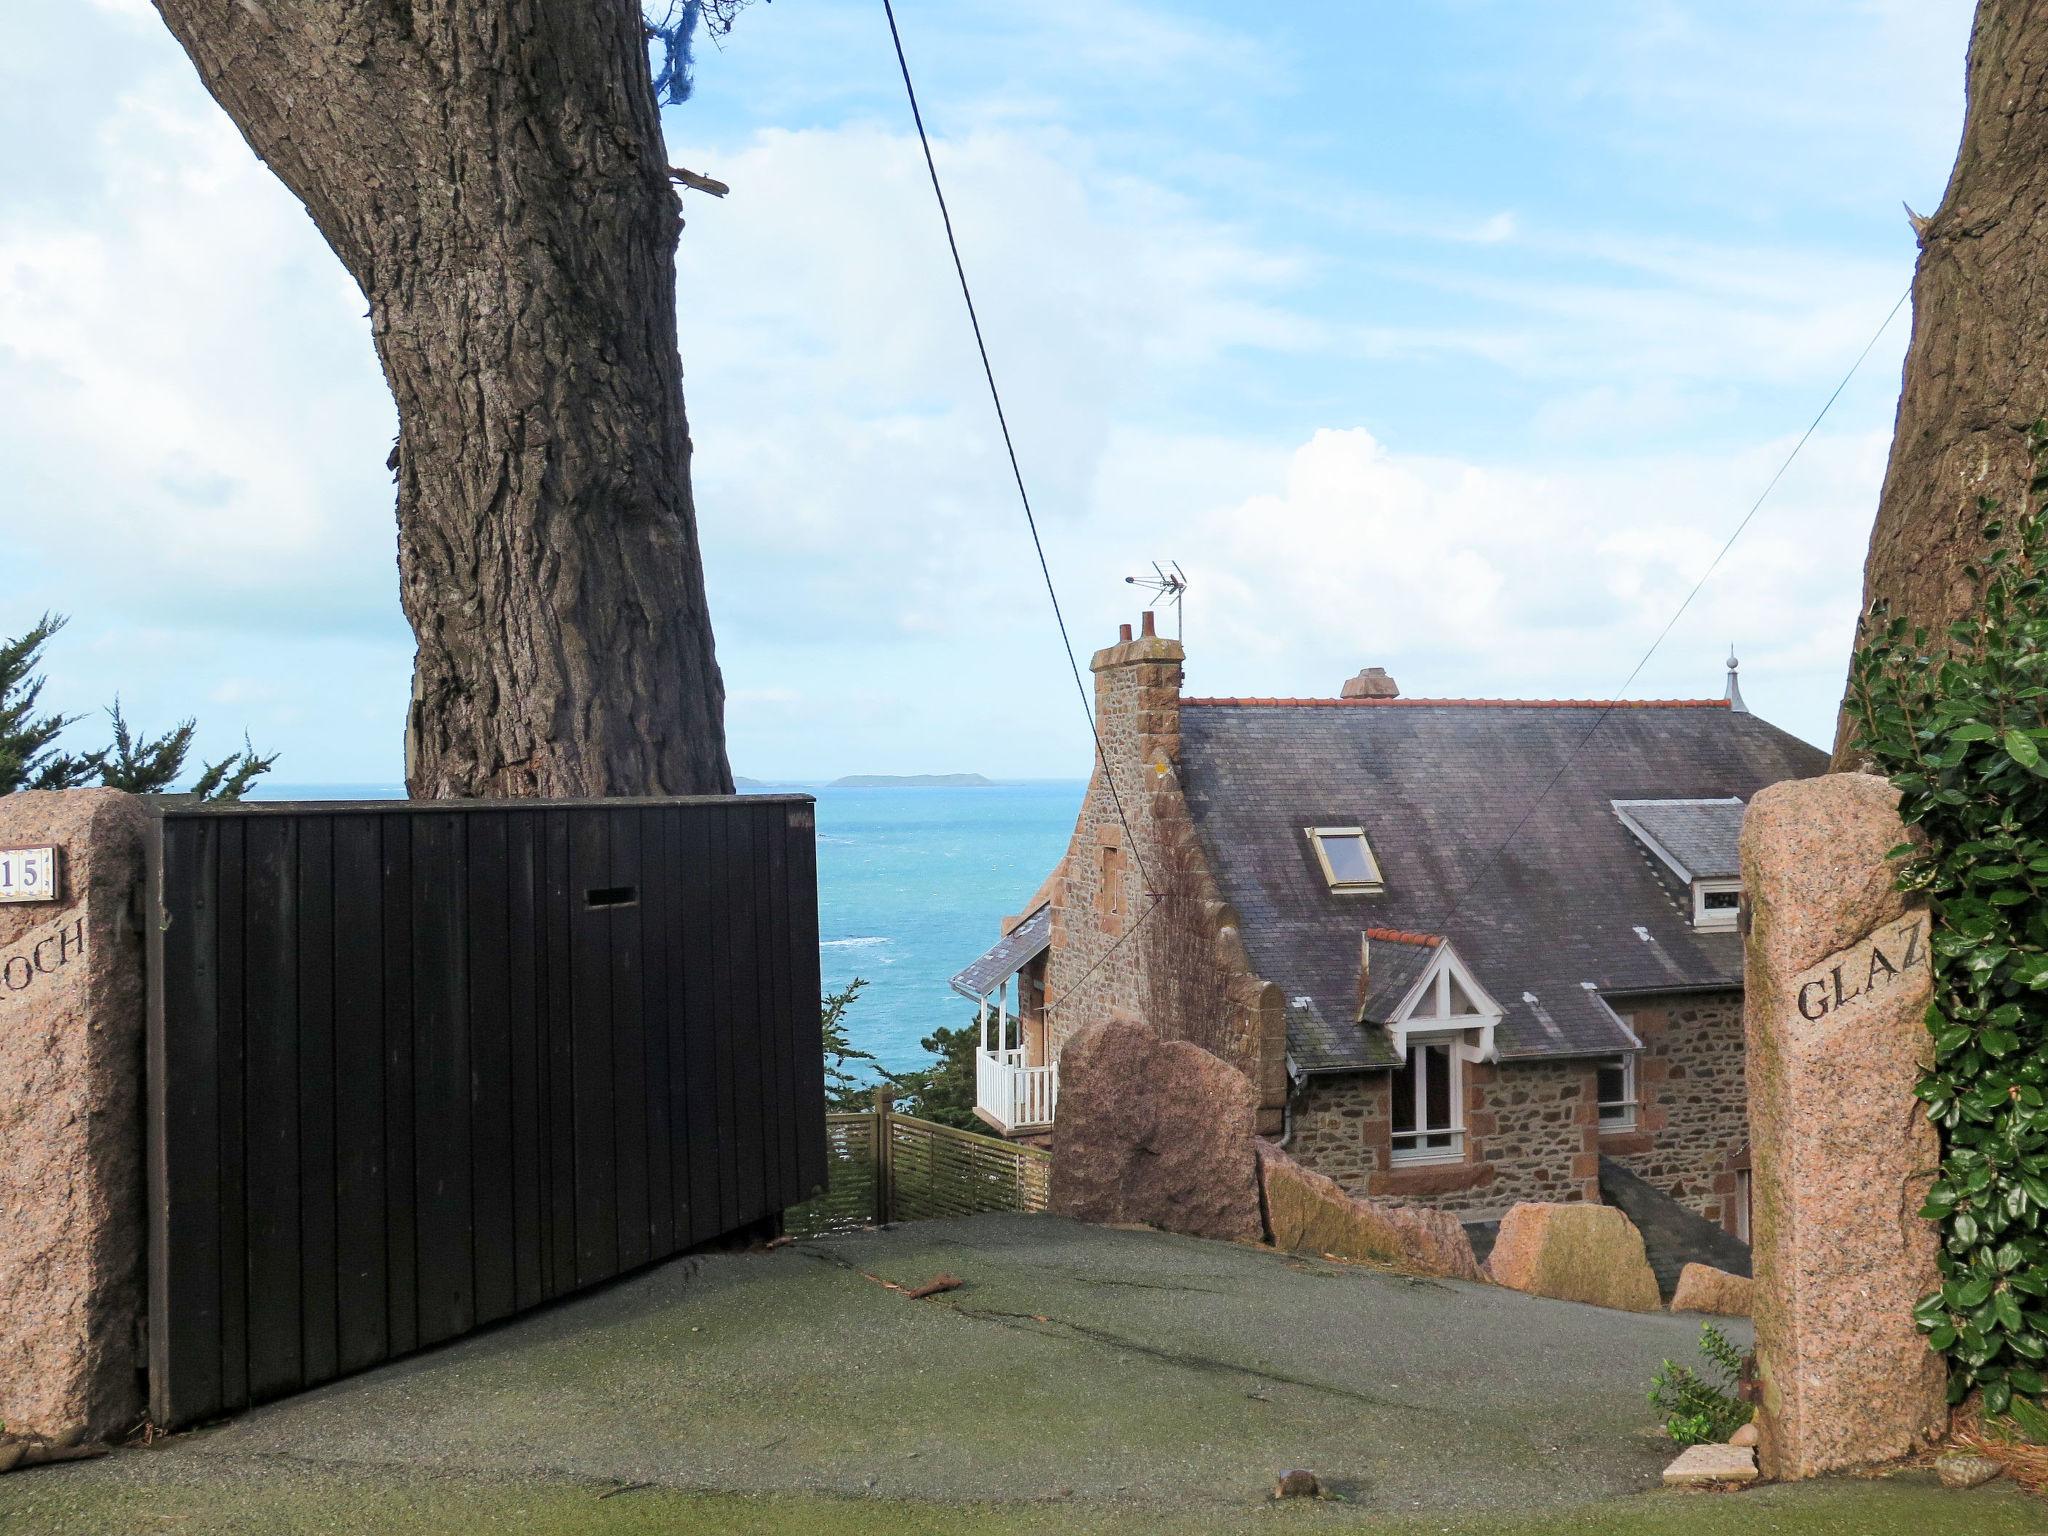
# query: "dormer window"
1698,841
1715,903
1346,859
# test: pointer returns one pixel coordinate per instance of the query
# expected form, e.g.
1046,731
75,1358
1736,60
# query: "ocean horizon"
913,883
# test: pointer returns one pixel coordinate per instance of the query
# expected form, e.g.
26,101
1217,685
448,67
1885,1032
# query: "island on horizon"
911,781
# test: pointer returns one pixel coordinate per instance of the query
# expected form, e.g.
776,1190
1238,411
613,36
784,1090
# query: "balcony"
1012,1096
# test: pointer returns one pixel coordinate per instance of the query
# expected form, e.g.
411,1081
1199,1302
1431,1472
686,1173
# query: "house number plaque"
28,874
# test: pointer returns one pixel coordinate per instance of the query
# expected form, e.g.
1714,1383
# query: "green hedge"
1959,722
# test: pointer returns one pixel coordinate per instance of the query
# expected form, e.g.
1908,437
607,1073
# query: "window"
1616,1079
1715,903
1110,903
1428,1127
1346,858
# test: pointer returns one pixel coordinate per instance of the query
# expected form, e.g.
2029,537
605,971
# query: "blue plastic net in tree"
673,82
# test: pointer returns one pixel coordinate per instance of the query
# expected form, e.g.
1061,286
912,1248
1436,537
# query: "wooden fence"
890,1167
416,1067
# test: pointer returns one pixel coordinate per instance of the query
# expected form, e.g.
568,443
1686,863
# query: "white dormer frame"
1425,1010
1718,920
1714,919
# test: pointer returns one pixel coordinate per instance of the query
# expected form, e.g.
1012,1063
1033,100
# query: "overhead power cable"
1615,698
1024,498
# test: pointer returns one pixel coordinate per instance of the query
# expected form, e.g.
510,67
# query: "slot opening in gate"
612,896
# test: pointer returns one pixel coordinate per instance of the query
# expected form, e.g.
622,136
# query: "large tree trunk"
1977,371
491,172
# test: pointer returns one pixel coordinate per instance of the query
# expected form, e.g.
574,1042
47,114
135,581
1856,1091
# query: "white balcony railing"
1015,1096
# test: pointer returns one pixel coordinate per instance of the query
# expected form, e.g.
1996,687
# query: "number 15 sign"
28,874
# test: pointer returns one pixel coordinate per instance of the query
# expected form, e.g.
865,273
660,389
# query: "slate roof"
1698,836
1398,960
1574,911
1007,956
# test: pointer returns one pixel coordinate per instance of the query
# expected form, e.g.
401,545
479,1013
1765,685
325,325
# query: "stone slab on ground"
1964,1469
1574,1252
71,1182
1703,1288
1155,1131
1307,1212
1836,989
1705,1465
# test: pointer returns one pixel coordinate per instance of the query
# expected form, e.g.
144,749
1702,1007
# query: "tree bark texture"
1976,373
492,173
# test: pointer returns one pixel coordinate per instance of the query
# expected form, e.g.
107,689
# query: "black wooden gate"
415,1067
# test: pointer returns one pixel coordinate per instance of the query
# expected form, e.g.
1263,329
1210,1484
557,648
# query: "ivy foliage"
1959,722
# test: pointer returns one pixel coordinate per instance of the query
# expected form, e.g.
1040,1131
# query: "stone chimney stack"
1372,683
1137,700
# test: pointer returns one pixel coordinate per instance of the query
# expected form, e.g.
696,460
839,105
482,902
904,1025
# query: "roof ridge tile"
1404,703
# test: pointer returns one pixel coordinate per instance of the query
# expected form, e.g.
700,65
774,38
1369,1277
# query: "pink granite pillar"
1837,982
71,1183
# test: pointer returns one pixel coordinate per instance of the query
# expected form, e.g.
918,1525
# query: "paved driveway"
1077,1373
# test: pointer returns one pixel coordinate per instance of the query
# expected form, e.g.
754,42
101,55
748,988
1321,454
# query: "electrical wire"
1615,698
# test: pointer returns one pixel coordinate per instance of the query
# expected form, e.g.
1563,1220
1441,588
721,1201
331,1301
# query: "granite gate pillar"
1837,983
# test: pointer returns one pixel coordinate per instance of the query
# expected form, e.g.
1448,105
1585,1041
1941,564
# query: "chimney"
1137,701
1372,683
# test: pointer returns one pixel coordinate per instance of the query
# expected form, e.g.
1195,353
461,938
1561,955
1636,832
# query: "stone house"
1464,948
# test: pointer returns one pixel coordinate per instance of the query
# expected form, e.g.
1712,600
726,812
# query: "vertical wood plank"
698,1174
270,1000
363,1334
524,1023
764,823
234,1231
561,1061
789,1106
597,1185
658,1008
687,1158
318,1230
402,1322
183,1066
720,1014
488,936
804,967
743,1013
622,928
441,1079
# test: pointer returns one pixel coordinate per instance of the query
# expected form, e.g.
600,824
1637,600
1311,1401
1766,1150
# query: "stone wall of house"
1184,970
1532,1129
1530,1134
1692,1125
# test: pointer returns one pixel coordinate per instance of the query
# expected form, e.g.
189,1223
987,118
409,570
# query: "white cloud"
199,429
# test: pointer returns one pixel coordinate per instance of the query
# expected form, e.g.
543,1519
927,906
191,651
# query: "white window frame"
1453,1059
1717,919
1627,1104
1425,1011
1346,887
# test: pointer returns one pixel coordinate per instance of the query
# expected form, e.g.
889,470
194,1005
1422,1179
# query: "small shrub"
1700,1406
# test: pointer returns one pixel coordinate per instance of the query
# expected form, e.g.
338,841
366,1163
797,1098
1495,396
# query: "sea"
913,883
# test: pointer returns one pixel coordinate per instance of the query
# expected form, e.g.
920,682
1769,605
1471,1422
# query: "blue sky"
1451,336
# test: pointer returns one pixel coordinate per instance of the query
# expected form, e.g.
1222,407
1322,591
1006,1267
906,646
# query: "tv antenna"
1167,584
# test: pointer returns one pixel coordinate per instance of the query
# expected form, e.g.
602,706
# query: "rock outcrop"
1703,1288
1155,1131
1307,1212
1589,1253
